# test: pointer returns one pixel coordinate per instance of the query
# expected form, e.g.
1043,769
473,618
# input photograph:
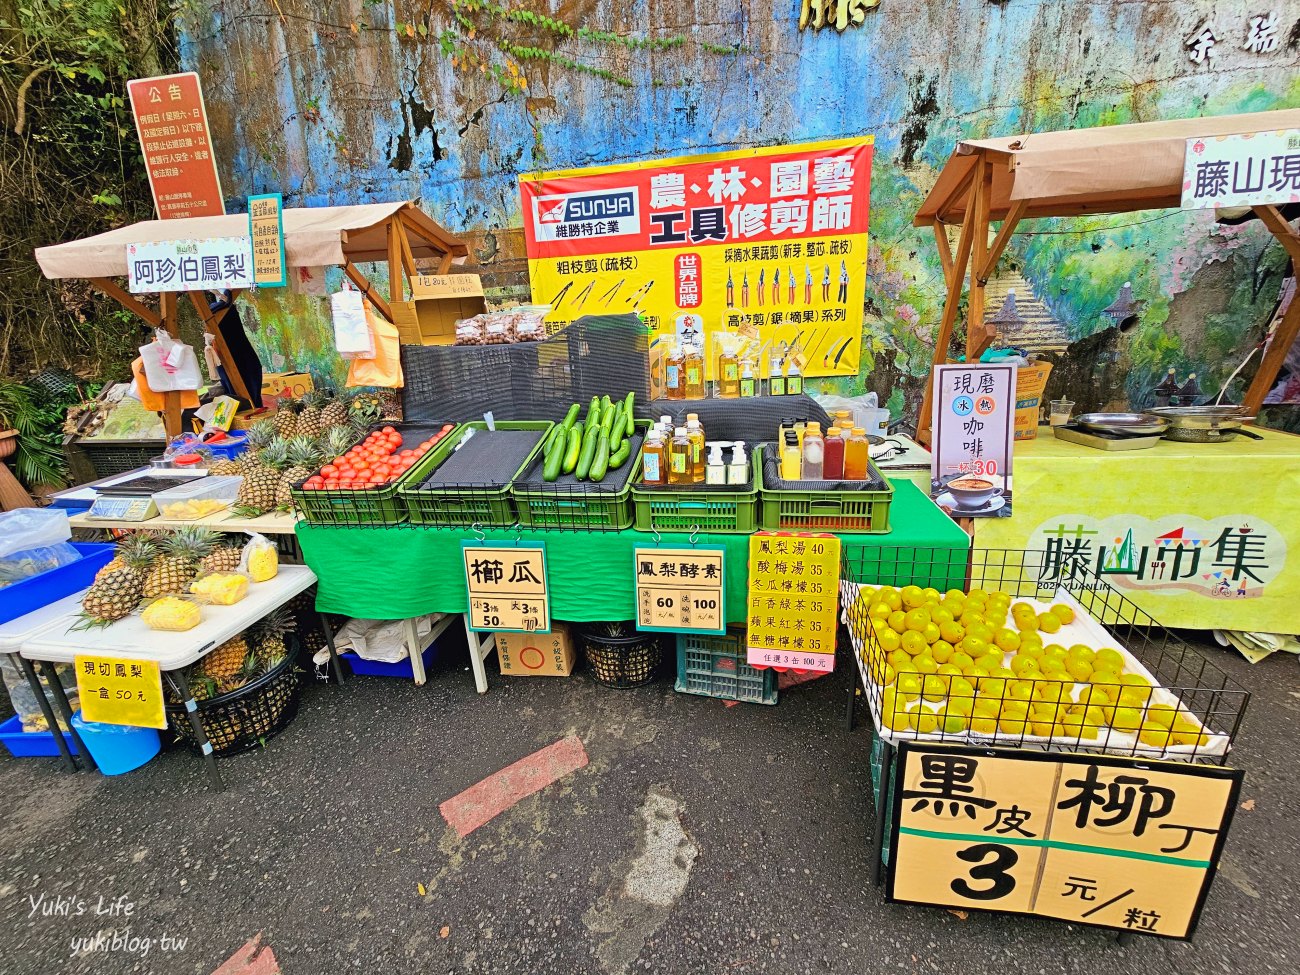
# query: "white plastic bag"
170,366
32,541
352,336
381,640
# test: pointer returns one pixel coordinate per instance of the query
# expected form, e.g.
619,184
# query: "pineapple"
260,434
182,551
335,412
304,458
248,671
225,467
144,544
285,419
257,492
227,660
271,645
202,687
337,441
226,557
309,420
114,594
365,413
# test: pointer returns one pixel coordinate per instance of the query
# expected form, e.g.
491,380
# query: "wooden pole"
396,292
211,320
1284,335
366,288
1002,239
171,398
128,301
976,338
945,249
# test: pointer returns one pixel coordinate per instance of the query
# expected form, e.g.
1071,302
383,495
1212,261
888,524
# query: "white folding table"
175,653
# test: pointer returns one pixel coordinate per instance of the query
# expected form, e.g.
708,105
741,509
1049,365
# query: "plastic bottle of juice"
679,458
694,363
856,455
791,458
814,452
654,459
695,434
833,456
674,375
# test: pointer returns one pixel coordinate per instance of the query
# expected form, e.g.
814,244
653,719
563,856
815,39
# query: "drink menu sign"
974,429
173,128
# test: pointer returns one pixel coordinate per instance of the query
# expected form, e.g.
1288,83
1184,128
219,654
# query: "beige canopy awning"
1112,169
313,237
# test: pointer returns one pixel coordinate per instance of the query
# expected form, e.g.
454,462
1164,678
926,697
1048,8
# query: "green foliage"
38,461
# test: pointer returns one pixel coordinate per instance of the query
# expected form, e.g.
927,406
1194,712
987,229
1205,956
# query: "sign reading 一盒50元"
680,589
120,691
794,598
507,588
1088,839
768,245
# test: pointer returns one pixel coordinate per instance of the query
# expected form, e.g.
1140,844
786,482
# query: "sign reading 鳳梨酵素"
507,587
1114,842
266,231
120,691
794,594
1242,170
172,124
680,589
189,265
973,424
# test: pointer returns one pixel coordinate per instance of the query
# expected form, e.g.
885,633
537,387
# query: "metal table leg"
476,655
878,828
43,702
65,709
180,684
329,642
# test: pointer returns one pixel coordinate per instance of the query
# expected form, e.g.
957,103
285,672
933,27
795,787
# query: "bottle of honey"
728,374
675,375
679,458
695,434
693,361
654,460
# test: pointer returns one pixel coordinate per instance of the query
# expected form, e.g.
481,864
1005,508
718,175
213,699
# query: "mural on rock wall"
346,101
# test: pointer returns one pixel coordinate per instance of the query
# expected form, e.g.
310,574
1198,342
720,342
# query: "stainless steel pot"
1205,424
1131,424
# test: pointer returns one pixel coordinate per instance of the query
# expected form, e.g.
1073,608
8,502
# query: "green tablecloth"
394,573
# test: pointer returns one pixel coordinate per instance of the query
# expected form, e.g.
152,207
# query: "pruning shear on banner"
608,296
641,292
559,299
579,301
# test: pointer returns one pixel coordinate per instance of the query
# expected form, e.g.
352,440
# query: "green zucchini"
617,428
619,457
551,438
628,405
606,403
571,417
588,453
551,470
571,449
600,464
593,411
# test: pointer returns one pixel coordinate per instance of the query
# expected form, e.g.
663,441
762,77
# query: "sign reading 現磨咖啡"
1242,170
189,265
507,587
973,424
1113,842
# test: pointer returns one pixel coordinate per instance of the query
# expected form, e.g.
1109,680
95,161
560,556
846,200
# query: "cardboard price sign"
120,691
1111,842
794,597
266,229
680,589
507,588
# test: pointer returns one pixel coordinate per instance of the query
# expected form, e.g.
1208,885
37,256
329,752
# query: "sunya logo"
575,207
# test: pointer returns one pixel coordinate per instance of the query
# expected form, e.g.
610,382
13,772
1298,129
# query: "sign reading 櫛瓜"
793,606
973,426
768,246
120,691
1089,839
507,587
172,125
190,265
266,230
680,590
1242,170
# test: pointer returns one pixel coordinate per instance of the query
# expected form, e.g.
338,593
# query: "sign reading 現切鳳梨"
794,592
768,246
189,265
172,124
1242,170
973,424
120,691
507,587
266,231
680,590
1088,839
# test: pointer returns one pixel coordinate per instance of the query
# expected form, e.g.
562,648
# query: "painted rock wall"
366,100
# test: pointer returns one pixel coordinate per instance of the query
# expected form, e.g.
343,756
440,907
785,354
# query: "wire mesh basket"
1100,676
618,656
248,717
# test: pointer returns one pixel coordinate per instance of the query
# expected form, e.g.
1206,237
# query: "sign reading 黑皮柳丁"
1113,842
767,245
190,265
507,587
1242,170
973,424
172,124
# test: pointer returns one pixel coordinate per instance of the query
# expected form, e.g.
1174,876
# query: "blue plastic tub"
376,668
235,443
117,748
31,744
31,594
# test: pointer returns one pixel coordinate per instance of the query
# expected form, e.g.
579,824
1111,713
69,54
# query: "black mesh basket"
246,718
617,656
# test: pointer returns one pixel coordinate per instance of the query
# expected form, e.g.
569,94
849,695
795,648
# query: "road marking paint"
484,801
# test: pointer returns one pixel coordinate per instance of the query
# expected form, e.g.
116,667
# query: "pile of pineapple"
244,658
289,448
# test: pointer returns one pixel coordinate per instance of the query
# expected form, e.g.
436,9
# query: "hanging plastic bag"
169,365
384,368
32,541
210,357
352,336
261,559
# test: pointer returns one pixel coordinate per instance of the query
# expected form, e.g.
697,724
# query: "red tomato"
329,469
446,427
331,483
390,430
382,470
421,450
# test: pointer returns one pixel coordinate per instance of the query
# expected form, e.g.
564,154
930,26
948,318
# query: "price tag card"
1090,839
794,598
114,690
507,588
680,589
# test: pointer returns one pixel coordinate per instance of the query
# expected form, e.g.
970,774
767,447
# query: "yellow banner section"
120,691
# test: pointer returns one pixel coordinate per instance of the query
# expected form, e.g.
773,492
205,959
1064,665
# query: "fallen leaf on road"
959,915
444,931
1248,805
420,888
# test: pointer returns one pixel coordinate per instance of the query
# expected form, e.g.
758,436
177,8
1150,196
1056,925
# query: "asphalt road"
699,838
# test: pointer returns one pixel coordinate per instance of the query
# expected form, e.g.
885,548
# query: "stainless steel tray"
1136,424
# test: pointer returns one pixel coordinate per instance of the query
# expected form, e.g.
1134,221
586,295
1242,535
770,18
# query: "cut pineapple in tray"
221,588
172,613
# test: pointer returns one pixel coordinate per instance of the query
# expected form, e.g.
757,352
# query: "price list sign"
680,590
507,588
120,691
266,229
1098,840
974,430
793,600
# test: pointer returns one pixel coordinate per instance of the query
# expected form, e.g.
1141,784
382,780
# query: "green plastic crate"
572,505
465,505
371,506
843,512
681,509
715,666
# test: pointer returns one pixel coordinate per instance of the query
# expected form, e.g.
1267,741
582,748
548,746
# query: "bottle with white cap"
715,472
738,469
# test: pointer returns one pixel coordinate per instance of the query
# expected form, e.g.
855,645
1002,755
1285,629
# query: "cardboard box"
538,654
437,302
1031,380
286,385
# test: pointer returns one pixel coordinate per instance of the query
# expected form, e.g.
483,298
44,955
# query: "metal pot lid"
1131,423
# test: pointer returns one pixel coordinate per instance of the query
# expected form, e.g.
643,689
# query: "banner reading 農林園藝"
767,244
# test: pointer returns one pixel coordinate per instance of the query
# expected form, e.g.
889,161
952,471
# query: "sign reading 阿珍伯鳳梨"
190,265
1255,168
